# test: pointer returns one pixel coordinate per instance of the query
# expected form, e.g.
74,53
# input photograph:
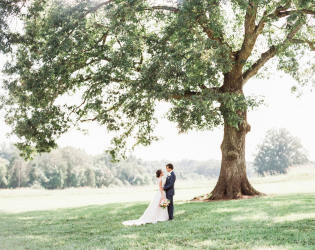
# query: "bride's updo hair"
158,173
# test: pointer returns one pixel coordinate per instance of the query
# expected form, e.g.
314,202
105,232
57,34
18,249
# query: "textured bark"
233,182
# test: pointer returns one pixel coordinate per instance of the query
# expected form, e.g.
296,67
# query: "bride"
154,212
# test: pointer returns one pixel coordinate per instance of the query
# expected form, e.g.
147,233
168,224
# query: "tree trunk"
233,182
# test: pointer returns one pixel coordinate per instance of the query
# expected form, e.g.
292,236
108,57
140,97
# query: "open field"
91,218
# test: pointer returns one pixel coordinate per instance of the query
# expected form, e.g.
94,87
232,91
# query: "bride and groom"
154,212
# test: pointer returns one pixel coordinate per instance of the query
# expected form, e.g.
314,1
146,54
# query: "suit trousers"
170,207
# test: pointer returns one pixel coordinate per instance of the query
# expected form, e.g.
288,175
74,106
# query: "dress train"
152,214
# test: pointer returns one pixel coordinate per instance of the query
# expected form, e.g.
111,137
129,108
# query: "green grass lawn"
285,220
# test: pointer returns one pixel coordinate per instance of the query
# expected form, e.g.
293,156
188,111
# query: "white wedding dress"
154,212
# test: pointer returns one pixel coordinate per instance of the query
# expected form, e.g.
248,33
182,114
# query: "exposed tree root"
206,198
233,189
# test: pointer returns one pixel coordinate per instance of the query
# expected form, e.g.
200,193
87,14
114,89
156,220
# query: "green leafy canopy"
122,57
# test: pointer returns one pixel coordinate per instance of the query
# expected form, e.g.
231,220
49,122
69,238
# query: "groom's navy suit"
170,192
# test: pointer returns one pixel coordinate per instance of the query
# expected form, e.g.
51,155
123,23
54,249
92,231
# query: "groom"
169,189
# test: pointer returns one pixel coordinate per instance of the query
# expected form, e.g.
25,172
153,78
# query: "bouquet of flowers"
164,203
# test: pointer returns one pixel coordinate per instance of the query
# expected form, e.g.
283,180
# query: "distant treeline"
72,167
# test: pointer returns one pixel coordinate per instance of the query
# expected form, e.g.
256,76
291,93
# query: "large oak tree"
123,57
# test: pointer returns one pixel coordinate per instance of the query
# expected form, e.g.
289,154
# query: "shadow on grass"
277,222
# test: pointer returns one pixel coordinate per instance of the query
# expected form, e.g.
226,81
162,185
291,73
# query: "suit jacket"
169,184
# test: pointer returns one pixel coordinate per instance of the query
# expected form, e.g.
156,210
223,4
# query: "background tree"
103,173
42,172
17,169
279,151
207,168
55,176
77,157
34,175
125,56
90,177
3,173
7,150
69,174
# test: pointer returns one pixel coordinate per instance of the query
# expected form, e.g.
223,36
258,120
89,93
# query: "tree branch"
103,38
202,21
110,109
97,7
187,94
311,44
277,13
251,34
76,108
163,8
287,13
84,101
85,14
265,57
282,11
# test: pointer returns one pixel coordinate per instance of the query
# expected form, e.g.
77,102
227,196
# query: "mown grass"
276,222
283,221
